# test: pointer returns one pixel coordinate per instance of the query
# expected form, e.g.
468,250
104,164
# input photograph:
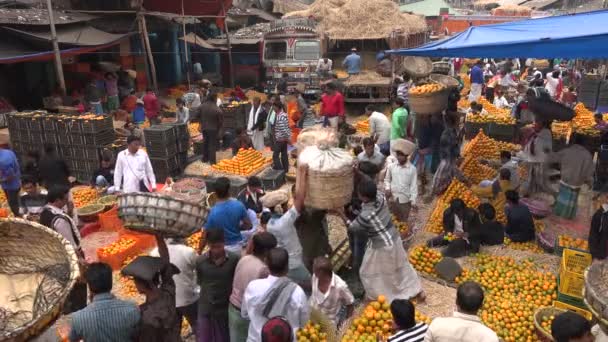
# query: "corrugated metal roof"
73,35
39,17
193,38
426,8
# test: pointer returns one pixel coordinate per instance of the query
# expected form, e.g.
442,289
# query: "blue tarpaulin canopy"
583,35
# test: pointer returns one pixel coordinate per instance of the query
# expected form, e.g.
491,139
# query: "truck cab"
292,46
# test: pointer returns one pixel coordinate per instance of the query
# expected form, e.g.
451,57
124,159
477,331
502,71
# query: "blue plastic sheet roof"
583,35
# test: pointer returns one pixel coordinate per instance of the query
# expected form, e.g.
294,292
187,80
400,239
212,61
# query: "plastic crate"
37,138
580,311
96,126
577,302
571,273
160,134
159,150
77,139
100,138
49,124
35,124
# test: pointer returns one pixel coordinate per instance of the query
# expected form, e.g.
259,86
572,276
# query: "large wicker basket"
539,314
329,189
596,298
160,214
31,251
416,67
427,104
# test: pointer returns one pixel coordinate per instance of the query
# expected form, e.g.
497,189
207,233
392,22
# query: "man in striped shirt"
404,320
106,318
282,136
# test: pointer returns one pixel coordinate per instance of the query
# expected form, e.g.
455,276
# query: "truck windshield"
275,50
306,50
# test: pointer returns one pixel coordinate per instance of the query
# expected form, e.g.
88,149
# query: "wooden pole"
58,66
230,66
185,47
146,41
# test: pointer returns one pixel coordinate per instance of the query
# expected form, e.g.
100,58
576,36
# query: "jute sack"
330,176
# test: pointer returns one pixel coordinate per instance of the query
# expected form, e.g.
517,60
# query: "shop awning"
583,35
193,38
73,35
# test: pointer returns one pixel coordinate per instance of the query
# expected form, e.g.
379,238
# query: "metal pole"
230,66
58,66
185,46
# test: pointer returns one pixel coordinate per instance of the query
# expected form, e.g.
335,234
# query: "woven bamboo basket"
329,189
417,67
327,326
108,201
447,81
160,214
539,314
38,270
596,298
427,104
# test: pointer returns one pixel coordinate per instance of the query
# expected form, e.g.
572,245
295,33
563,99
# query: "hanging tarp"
583,35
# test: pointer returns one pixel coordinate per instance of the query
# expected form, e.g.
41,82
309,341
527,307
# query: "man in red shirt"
151,106
332,106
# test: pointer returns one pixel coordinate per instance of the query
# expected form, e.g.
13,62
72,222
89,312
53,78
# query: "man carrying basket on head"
385,269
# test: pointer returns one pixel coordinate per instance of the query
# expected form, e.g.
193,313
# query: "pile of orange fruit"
529,246
476,171
311,332
485,147
456,190
402,227
89,116
128,285
513,292
194,240
584,121
561,129
494,114
546,322
194,128
245,163
424,259
426,89
466,80
84,196
566,241
116,247
362,126
376,321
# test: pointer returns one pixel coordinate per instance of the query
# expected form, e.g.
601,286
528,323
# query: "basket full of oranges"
428,98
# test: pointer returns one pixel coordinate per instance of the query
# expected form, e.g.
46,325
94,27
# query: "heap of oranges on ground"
128,289
375,321
311,332
402,227
584,121
456,190
484,147
475,171
84,196
194,128
494,114
513,292
424,259
426,89
116,247
245,163
530,246
566,241
362,126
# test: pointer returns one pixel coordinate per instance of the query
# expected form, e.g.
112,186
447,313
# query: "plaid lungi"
567,199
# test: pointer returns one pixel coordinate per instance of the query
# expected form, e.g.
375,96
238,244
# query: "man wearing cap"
352,63
275,297
282,226
401,180
153,278
133,172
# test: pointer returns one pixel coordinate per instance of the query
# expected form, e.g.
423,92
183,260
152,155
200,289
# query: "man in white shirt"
464,325
552,83
274,296
133,172
379,126
401,180
186,286
330,294
282,226
371,153
324,67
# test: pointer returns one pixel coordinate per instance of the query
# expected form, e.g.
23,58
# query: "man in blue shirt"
352,62
476,81
106,318
229,215
10,178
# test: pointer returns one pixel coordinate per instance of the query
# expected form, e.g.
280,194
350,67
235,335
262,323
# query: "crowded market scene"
319,171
